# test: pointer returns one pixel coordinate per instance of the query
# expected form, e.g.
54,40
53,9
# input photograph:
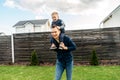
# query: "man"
64,56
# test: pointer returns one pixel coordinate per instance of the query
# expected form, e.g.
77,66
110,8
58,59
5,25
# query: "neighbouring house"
28,26
2,34
112,20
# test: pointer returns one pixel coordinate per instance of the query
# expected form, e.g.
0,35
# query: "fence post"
12,45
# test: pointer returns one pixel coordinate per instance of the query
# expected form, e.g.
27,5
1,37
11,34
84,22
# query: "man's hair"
53,26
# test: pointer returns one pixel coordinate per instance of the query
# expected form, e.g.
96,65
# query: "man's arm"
71,46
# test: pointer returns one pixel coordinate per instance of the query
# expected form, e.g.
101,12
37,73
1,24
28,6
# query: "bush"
94,58
34,58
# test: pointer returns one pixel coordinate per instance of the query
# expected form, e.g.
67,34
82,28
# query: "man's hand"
63,46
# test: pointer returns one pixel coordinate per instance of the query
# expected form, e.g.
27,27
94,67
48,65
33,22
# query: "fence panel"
5,49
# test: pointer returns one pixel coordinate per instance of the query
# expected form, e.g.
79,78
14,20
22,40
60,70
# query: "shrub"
94,58
34,58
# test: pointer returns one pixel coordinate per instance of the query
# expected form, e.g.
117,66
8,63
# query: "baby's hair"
53,13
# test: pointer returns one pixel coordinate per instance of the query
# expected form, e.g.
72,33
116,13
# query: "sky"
76,14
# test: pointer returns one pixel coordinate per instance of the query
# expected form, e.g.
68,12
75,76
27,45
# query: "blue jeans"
60,69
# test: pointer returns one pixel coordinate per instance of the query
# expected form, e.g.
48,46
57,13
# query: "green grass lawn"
48,72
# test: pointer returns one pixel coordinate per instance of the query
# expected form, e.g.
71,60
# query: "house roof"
41,21
110,15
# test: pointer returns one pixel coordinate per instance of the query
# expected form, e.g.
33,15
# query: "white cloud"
77,7
41,6
83,12
9,3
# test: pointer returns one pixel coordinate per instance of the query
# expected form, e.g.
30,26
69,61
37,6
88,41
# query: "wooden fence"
105,41
5,49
